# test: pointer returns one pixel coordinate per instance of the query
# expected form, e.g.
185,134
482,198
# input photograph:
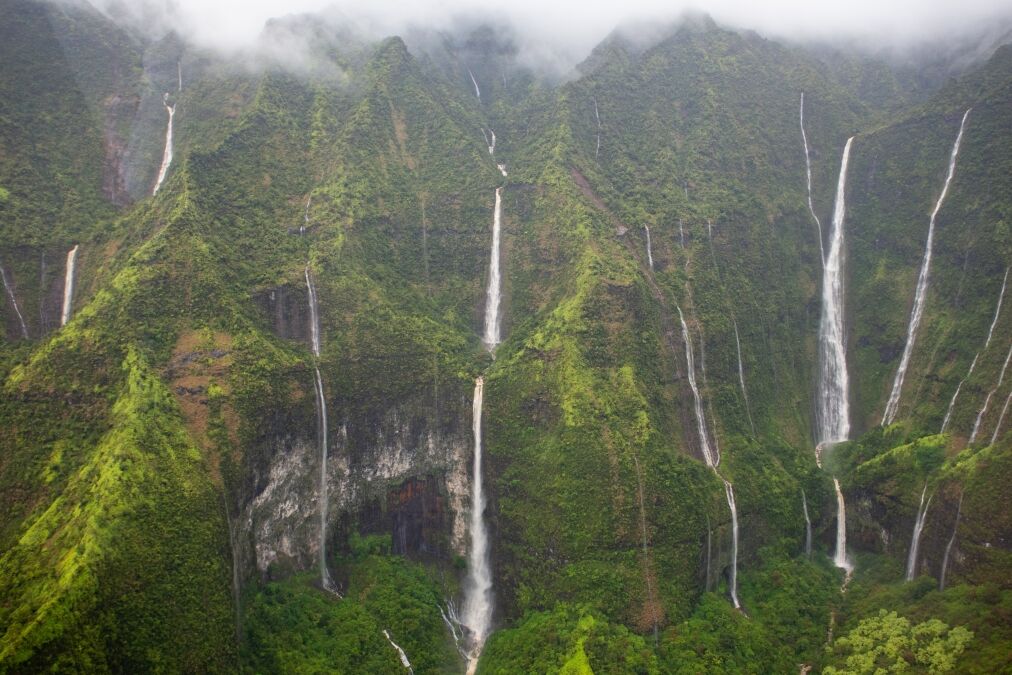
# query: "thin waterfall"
321,430
68,285
948,547
681,234
597,116
840,558
973,364
922,287
990,394
491,145
704,441
833,409
179,74
400,652
650,251
1001,418
808,525
729,492
478,586
167,154
452,622
741,378
915,541
808,176
14,302
305,215
477,91
493,295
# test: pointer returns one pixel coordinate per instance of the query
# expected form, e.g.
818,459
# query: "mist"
562,33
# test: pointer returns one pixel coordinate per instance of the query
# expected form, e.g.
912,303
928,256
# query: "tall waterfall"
808,525
14,302
729,493
948,546
922,287
915,541
833,409
400,652
704,441
741,378
68,285
973,364
321,431
990,395
840,558
477,91
1001,418
493,295
650,249
808,176
478,586
167,154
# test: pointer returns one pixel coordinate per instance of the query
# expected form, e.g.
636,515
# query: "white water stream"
915,541
400,652
948,546
741,378
840,558
921,291
163,170
68,285
477,91
808,525
990,395
650,249
14,302
808,176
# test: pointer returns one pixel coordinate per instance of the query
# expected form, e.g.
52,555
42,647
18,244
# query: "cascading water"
478,587
840,558
990,395
833,409
1001,418
808,176
948,546
477,91
167,154
808,525
650,249
711,456
14,302
68,285
681,234
400,652
492,296
915,541
321,431
741,378
305,215
973,364
729,493
922,287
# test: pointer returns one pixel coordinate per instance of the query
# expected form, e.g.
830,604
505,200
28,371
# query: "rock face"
286,309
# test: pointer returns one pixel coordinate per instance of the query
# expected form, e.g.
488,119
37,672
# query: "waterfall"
922,287
990,394
681,234
321,431
973,364
709,230
704,442
948,546
167,154
741,378
598,117
833,409
179,74
305,215
68,285
452,622
477,92
808,525
502,168
729,492
478,586
840,558
1001,418
491,145
808,176
493,295
650,251
400,652
14,301
915,542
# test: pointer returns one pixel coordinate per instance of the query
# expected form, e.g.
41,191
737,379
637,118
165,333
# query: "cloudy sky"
577,25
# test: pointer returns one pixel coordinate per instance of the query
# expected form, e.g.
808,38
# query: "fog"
566,30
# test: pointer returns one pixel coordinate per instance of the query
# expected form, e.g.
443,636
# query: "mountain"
251,447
